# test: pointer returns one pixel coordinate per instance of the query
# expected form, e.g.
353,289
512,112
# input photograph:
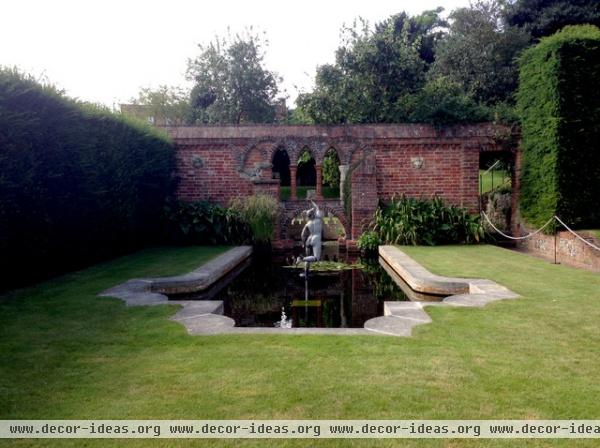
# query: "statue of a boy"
312,234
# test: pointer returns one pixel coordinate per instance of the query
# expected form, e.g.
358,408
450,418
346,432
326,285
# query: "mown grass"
493,179
594,232
67,354
328,192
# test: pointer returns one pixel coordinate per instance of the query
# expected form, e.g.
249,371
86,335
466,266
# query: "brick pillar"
364,194
294,193
319,170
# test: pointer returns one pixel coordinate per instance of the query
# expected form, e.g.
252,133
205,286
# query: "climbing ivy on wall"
559,107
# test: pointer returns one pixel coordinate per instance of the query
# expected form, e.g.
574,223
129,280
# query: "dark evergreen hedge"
77,183
559,106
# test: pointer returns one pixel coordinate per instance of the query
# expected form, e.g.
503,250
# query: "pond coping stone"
464,292
203,277
153,291
205,317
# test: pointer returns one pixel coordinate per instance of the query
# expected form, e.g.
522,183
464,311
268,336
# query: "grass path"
66,354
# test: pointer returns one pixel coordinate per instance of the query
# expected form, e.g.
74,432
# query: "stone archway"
332,168
306,172
292,210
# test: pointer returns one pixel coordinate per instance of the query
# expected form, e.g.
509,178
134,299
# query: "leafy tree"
545,17
298,115
374,71
331,170
330,101
304,157
169,103
479,52
442,102
231,84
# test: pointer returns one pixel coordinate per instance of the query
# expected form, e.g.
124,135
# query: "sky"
104,51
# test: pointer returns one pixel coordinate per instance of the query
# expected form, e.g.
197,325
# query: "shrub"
368,242
261,212
559,107
331,169
77,183
203,222
428,222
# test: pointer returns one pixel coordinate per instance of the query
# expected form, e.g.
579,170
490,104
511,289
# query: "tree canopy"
424,68
169,103
231,83
479,52
374,71
545,17
403,69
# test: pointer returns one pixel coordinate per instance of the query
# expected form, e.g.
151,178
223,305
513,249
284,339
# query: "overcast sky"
106,50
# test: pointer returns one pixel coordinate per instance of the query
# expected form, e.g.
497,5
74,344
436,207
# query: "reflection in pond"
346,298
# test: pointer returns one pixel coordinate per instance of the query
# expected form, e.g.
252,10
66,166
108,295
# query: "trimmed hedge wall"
559,106
77,183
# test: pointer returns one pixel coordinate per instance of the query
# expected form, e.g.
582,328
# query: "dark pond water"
255,295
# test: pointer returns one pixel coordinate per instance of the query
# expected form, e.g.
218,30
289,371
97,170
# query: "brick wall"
220,163
448,170
209,172
364,194
569,249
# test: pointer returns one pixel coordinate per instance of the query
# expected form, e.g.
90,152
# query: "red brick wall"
220,163
448,170
569,249
215,177
364,194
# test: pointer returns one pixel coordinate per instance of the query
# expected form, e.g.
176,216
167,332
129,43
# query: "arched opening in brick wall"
293,220
380,161
333,228
281,171
306,174
331,174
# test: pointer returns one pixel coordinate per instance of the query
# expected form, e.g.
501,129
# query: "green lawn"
493,179
328,192
594,232
67,354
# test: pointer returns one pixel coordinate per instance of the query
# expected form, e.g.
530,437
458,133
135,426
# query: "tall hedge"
77,183
559,107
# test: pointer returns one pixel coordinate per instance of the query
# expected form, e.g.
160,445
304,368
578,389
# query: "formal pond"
335,294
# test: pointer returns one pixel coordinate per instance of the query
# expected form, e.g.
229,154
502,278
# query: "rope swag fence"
529,235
